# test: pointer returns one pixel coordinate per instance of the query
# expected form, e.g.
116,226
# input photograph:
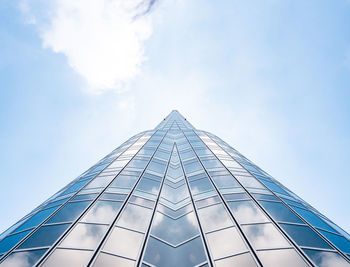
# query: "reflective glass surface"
175,231
214,217
23,259
135,217
102,212
8,242
225,242
305,236
160,254
85,236
68,257
282,257
45,236
69,212
326,258
247,212
124,242
107,260
264,236
244,259
280,212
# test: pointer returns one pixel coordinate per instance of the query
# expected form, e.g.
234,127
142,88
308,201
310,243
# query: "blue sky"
269,77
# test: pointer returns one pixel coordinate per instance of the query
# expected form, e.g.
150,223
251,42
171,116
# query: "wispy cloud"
103,40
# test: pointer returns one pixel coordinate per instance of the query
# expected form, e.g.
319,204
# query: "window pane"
23,258
68,257
304,236
149,186
244,260
106,260
175,231
265,197
135,217
207,201
264,236
274,187
102,212
341,242
124,181
44,236
280,212
174,213
10,241
110,196
189,254
200,186
36,219
325,258
84,197
142,201
247,212
124,242
313,219
69,212
237,196
225,242
214,217
283,257
84,236
249,181
100,182
192,166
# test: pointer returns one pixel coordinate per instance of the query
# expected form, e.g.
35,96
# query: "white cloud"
102,39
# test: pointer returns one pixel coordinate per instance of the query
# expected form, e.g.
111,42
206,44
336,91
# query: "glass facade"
175,196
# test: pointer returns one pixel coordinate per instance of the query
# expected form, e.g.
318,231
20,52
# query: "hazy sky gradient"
272,78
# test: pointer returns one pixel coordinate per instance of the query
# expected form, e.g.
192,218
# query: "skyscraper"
175,196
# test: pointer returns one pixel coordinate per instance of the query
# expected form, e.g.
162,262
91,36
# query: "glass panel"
342,243
274,187
10,241
160,254
225,242
68,257
214,217
211,163
23,259
237,196
174,213
157,166
245,260
283,257
304,236
84,197
247,212
325,258
264,236
135,217
125,181
142,201
124,242
102,212
69,212
280,212
36,219
100,182
201,185
149,186
207,201
249,181
75,187
174,231
313,219
84,236
265,197
192,166
111,196
106,260
44,236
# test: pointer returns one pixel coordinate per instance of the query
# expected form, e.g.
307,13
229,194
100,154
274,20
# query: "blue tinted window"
304,236
157,166
36,219
280,212
192,166
274,187
45,236
69,212
125,181
75,187
201,185
265,197
311,218
10,241
341,242
84,197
